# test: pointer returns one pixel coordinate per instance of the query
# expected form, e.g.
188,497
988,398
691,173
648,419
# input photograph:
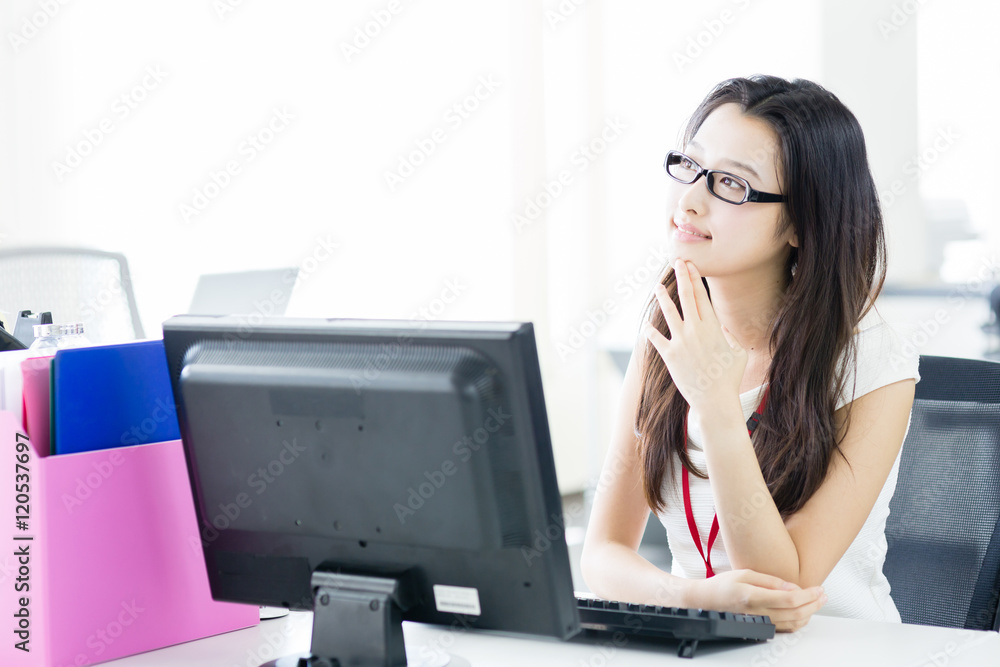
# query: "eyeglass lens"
726,186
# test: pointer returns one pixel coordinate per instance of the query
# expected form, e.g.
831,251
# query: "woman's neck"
746,306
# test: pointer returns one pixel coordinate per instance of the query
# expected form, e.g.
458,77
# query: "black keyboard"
602,619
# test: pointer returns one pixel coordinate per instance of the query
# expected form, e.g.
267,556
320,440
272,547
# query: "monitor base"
310,660
268,613
358,620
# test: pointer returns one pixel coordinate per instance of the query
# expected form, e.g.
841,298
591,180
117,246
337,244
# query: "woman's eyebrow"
735,163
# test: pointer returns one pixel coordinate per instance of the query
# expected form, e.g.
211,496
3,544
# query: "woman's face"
729,239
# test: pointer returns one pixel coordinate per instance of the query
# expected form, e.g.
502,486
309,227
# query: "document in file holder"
35,402
111,396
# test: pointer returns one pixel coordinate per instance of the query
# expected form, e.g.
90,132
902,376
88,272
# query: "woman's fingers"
793,602
789,620
793,599
669,310
703,303
788,610
685,290
791,626
658,340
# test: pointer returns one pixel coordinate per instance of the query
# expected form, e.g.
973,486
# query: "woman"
777,256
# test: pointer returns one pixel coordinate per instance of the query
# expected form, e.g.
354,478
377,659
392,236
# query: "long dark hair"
839,265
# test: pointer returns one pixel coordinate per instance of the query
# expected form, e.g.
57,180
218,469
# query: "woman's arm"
615,571
805,547
610,563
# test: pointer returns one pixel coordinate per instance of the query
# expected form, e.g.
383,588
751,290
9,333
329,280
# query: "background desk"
825,641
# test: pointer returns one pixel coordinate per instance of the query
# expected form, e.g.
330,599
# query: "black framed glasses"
728,187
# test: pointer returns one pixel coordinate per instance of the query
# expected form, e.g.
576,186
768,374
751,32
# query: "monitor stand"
270,613
357,620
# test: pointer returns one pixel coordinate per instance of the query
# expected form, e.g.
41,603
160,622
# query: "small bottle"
71,335
46,339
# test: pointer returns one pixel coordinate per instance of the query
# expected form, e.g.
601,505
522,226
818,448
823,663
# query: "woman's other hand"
748,592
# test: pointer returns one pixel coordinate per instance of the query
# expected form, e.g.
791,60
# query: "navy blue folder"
111,396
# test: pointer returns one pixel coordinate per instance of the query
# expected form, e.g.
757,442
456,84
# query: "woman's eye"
731,183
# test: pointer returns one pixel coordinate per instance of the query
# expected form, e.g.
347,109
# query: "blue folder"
111,396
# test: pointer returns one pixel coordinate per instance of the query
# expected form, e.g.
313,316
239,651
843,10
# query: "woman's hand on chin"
706,364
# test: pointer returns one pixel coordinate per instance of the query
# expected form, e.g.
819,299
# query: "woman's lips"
683,232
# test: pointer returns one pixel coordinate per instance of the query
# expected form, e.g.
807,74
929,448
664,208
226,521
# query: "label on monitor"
457,600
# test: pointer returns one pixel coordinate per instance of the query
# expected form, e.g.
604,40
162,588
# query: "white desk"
825,641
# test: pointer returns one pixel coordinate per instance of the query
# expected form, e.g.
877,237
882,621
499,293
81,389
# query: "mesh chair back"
76,285
943,530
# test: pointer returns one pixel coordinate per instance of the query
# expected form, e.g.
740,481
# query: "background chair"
943,530
76,285
992,326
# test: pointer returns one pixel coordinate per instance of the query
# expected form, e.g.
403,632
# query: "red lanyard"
692,526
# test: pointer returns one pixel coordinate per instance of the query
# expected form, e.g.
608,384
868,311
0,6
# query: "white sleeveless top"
856,588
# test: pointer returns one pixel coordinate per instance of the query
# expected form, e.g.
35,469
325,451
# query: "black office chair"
992,326
943,530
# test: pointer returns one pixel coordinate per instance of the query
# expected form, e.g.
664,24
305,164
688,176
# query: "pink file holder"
114,564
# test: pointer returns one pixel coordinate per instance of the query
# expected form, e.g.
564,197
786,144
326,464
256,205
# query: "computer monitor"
374,471
261,293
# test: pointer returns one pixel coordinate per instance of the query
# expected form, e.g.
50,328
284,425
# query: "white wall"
870,59
958,135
